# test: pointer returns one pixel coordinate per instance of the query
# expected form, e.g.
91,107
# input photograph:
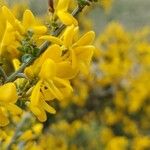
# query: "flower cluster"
48,77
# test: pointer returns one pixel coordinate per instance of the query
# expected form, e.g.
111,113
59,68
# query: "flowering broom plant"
67,83
38,61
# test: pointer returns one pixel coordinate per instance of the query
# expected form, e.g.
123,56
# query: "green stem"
2,73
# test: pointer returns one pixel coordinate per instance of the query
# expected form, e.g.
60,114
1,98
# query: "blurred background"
132,14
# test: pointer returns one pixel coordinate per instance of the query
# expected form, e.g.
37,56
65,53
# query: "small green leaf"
25,58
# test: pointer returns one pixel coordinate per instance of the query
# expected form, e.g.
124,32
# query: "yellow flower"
49,86
10,42
8,98
28,23
53,80
78,51
141,143
15,31
63,68
61,10
117,143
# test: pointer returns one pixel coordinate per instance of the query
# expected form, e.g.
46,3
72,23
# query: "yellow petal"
42,116
18,26
63,82
47,107
26,135
64,70
68,36
84,68
8,14
51,39
39,29
6,37
12,20
38,112
73,59
66,93
28,19
8,93
29,72
48,70
86,39
36,95
9,42
53,52
37,128
47,95
14,109
67,18
55,91
3,119
16,64
62,5
84,53
2,24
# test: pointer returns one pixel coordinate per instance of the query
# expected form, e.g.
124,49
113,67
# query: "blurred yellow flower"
117,143
8,98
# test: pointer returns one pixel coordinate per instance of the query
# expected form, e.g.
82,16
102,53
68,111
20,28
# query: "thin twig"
18,131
